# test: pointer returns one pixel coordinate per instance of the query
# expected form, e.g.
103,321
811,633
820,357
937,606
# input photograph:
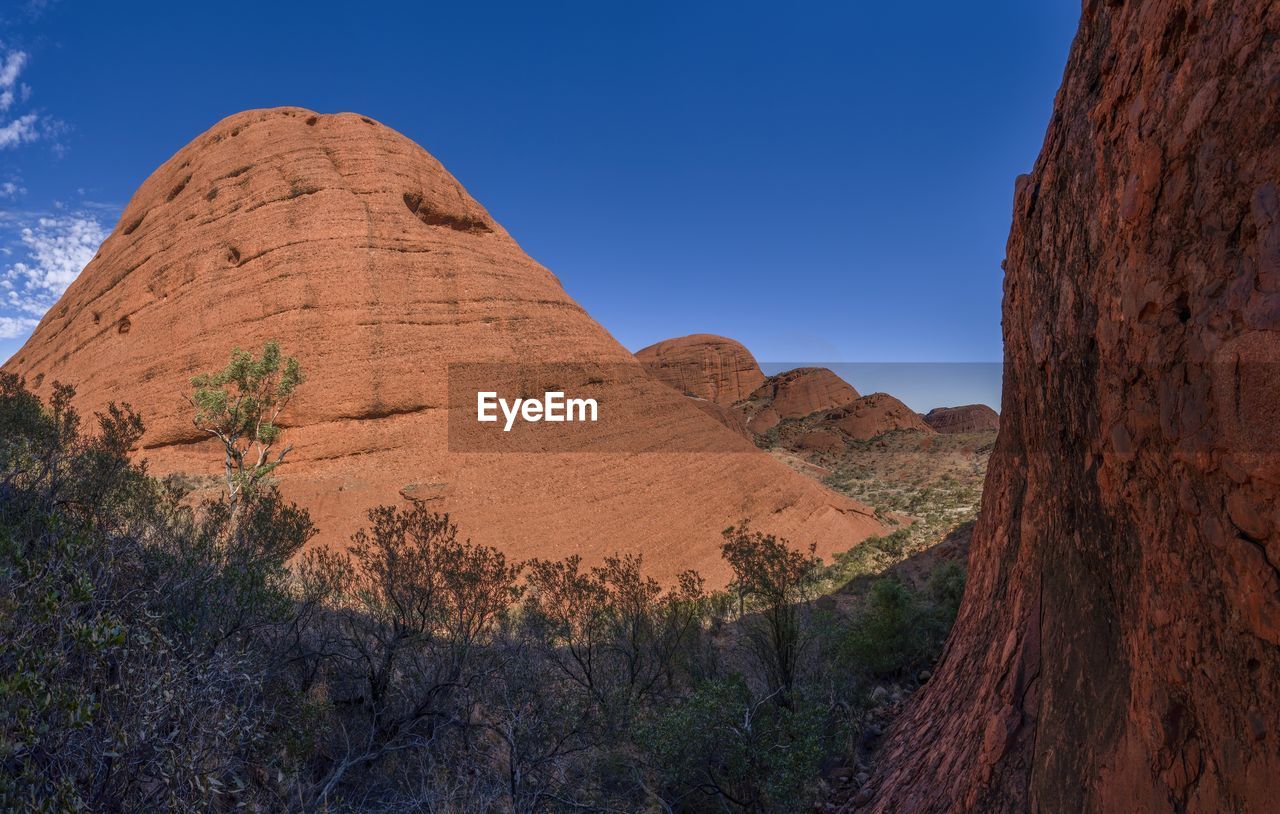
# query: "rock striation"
364,257
864,418
705,366
969,418
1118,649
795,394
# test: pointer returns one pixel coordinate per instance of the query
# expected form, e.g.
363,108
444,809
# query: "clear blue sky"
823,181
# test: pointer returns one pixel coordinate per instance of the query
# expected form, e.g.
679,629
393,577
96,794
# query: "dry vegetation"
163,653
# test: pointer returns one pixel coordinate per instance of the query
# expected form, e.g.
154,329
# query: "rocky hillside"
366,259
969,418
704,366
864,418
1118,648
795,394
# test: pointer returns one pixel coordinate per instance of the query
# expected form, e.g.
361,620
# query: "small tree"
414,610
612,632
239,405
775,580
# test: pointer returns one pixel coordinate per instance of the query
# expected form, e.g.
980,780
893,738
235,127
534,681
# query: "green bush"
136,667
897,631
159,655
721,749
946,589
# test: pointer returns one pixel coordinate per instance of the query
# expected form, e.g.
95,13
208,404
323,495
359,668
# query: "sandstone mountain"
795,394
865,418
1118,648
359,252
969,418
706,366
831,432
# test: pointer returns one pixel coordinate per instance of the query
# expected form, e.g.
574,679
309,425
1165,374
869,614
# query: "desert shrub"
722,749
898,630
402,654
111,697
611,633
162,654
773,581
946,590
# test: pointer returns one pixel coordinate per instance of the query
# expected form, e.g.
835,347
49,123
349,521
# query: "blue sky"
822,181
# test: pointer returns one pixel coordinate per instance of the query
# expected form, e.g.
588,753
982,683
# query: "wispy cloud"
16,327
56,250
19,131
10,68
20,128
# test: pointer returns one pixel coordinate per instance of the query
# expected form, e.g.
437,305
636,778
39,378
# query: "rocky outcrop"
795,394
356,249
706,366
969,418
864,418
1118,649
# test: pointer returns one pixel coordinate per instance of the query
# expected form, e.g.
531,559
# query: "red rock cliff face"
1118,649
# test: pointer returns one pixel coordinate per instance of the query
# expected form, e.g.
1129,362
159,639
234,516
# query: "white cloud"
57,250
15,327
28,126
10,68
21,129
11,190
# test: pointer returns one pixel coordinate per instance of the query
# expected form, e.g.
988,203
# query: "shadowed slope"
1118,649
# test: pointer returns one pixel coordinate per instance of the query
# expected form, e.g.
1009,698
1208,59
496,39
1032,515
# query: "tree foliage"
774,581
240,405
162,653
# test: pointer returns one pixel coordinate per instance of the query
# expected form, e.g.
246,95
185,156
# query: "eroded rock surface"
363,256
968,418
1118,649
866,417
706,366
795,394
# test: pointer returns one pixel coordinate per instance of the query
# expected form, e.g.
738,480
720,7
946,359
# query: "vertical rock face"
1118,649
709,367
968,418
358,251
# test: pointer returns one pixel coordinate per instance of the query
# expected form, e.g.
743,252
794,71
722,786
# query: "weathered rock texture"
709,367
795,394
865,418
365,258
1119,645
969,418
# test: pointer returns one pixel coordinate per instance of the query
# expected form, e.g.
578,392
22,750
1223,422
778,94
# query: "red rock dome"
969,418
795,394
706,366
365,258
